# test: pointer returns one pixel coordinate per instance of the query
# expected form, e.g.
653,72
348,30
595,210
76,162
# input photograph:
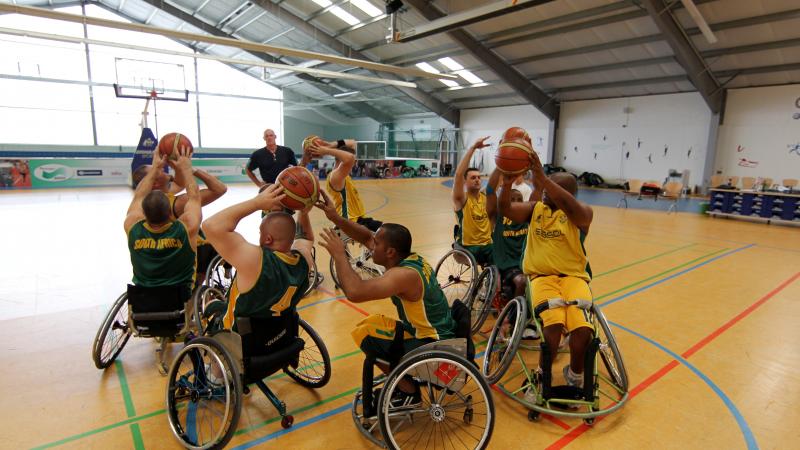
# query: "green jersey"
429,317
509,243
161,258
280,286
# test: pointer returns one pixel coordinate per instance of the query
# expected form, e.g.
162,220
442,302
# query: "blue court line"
748,434
324,300
297,426
656,283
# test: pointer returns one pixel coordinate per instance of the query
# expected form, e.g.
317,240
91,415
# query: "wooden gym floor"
706,314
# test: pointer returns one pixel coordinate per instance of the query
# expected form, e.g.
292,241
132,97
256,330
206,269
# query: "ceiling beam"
686,54
493,62
363,107
433,104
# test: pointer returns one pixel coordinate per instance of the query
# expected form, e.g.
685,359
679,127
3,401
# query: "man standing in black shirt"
270,160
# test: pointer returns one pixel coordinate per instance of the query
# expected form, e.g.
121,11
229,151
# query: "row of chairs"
749,182
670,191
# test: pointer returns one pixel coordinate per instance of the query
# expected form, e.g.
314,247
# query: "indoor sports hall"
435,224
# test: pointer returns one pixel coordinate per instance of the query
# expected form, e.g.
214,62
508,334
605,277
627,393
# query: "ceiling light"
449,83
344,15
367,7
427,67
346,94
451,64
469,76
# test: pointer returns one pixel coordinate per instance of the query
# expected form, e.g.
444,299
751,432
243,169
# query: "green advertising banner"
60,173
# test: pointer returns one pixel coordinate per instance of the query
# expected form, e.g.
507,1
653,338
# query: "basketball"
516,132
171,142
308,142
513,156
300,186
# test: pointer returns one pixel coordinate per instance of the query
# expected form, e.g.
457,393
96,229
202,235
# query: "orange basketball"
171,142
513,156
516,132
308,142
300,186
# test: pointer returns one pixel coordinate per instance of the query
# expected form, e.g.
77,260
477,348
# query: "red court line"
347,302
582,428
553,419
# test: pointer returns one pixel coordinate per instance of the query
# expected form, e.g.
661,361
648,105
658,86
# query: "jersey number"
285,301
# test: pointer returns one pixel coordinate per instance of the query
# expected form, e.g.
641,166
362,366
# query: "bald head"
277,231
566,181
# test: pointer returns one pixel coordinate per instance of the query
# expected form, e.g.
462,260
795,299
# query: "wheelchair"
605,384
456,404
209,376
457,274
220,274
360,258
150,312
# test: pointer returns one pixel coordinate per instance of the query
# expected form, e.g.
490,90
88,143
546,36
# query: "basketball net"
153,97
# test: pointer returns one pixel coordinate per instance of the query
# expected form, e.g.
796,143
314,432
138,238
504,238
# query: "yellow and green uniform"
161,258
280,286
426,320
508,241
475,228
347,201
556,261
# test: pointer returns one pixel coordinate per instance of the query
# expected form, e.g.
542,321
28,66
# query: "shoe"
530,334
572,378
213,380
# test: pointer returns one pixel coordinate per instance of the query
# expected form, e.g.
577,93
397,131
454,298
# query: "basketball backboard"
148,79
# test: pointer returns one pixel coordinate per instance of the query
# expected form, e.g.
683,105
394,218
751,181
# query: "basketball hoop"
153,94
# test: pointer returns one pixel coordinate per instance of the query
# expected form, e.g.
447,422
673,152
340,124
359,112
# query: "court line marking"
749,438
133,420
130,409
641,261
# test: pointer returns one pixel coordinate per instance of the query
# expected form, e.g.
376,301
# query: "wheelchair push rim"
479,304
456,404
314,363
360,260
218,276
203,412
456,274
504,341
113,334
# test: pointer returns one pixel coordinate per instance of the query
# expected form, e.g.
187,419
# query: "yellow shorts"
378,326
566,288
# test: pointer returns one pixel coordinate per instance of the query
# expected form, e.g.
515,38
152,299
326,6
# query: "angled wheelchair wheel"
504,341
204,395
454,408
360,260
609,352
219,275
113,334
456,273
201,298
314,364
480,302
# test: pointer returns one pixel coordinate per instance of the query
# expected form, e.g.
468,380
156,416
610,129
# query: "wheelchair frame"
540,383
382,429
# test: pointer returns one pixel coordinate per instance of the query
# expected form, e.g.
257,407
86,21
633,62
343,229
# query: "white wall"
476,123
599,136
761,125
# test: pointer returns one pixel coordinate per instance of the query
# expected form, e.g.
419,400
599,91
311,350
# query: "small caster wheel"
245,390
589,422
534,416
287,421
468,413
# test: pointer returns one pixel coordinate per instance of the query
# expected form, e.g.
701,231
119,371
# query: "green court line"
130,410
624,288
133,420
642,260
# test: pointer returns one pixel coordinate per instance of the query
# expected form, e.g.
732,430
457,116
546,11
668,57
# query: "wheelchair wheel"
609,352
204,395
219,275
314,365
360,260
456,272
455,404
480,302
201,298
504,341
113,334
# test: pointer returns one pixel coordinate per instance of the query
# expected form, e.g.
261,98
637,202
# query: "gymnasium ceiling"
556,51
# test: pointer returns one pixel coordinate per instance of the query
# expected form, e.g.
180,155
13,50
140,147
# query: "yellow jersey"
347,201
554,246
476,228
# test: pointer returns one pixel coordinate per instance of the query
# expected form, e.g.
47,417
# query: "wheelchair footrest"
565,393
